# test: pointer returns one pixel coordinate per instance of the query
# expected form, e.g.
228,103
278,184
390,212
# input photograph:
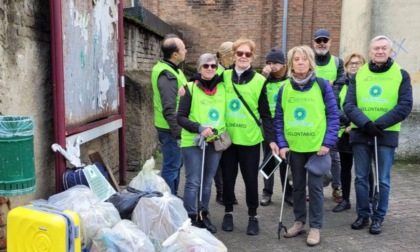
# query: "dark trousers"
218,180
247,157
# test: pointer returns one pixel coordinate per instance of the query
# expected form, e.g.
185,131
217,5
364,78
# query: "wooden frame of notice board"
87,41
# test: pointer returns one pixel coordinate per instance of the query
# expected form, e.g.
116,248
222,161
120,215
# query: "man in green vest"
166,80
382,100
331,68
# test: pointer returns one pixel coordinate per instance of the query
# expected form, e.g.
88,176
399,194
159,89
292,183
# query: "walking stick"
376,196
281,226
200,202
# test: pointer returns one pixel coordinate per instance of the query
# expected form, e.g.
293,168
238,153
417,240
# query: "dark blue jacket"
395,115
331,111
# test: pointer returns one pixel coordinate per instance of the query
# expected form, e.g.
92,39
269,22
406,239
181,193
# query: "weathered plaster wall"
363,20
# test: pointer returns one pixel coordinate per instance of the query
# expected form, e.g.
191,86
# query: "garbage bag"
126,200
78,199
159,217
124,236
147,180
192,239
98,216
11,126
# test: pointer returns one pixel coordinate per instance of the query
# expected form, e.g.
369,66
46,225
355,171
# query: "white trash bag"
98,216
159,217
125,236
148,180
192,239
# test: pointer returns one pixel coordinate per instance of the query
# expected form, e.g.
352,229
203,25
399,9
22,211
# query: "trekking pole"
376,196
281,226
200,202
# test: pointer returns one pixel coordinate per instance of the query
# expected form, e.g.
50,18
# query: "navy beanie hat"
276,56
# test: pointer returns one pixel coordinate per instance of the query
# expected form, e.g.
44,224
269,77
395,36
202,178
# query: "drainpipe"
58,89
284,31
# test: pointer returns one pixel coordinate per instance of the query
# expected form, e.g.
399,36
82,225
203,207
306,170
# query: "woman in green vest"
201,113
246,104
306,124
352,63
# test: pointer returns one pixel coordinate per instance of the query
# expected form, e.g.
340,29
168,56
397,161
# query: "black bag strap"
246,105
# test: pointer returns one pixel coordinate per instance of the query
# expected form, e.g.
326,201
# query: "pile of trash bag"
143,217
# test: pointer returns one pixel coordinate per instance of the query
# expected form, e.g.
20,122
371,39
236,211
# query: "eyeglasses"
319,40
355,63
206,66
240,54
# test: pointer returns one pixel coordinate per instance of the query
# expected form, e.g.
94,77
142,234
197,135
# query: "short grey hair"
204,58
381,37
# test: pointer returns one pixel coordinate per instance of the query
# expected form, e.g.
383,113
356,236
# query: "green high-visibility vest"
342,96
377,93
161,66
305,121
272,92
240,124
329,71
208,110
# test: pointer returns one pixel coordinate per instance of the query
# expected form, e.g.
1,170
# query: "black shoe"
344,205
227,224
208,225
289,200
360,223
376,227
253,228
219,199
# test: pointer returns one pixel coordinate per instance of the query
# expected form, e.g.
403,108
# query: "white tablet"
268,170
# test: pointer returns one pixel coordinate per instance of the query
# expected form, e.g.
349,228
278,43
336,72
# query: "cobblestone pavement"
400,230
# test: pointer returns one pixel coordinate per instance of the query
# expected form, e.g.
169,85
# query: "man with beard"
331,68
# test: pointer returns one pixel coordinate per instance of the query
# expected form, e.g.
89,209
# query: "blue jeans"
193,157
363,157
172,160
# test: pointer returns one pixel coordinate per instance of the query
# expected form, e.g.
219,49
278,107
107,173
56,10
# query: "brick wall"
207,23
141,51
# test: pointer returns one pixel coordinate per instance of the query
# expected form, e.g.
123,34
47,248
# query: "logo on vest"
234,105
375,91
214,114
299,114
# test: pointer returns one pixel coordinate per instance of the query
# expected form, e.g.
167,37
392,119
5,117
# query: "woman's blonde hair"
225,50
348,58
305,50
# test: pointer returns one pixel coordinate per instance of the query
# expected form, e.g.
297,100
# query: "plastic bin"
17,169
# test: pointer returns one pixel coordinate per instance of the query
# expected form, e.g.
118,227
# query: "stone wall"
141,52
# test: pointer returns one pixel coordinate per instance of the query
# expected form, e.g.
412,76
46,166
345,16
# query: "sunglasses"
206,66
319,40
240,54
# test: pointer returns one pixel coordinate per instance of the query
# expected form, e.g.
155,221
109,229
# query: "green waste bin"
17,169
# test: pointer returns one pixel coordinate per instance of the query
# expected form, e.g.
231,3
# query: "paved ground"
400,230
